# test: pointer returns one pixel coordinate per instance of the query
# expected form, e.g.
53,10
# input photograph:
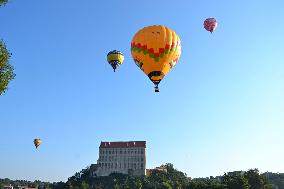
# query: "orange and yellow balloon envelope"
156,50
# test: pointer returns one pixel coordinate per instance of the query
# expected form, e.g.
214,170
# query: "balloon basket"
157,89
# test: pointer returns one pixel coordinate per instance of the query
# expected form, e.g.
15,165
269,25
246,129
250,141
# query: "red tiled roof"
123,144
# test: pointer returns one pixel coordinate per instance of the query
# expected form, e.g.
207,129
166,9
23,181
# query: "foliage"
171,179
6,70
256,181
39,184
235,181
205,184
275,180
3,2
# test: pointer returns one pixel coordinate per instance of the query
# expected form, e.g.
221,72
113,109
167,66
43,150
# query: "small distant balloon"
37,142
115,59
210,24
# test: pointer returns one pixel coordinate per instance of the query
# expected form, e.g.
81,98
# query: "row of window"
120,151
119,166
114,158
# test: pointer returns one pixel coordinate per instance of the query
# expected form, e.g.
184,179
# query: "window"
142,166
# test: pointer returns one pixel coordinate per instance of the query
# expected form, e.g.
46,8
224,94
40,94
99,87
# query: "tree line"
171,179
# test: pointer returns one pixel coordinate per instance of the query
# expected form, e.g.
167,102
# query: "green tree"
205,184
3,2
276,180
269,186
84,185
166,185
135,183
236,181
255,180
6,70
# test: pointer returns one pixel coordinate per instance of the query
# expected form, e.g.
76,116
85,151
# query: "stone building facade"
121,157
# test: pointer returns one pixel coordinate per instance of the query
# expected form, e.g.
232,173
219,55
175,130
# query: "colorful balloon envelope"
156,50
115,59
37,142
210,24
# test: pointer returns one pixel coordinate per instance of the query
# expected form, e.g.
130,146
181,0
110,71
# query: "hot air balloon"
37,142
115,59
156,50
210,24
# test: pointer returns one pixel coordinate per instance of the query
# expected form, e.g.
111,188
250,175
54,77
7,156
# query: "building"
121,157
18,187
268,175
236,173
8,187
24,187
162,168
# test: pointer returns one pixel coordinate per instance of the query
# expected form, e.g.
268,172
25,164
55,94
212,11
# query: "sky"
220,109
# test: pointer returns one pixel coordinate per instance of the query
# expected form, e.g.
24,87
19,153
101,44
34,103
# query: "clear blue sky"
220,109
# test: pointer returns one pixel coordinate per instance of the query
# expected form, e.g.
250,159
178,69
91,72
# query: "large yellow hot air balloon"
156,50
37,142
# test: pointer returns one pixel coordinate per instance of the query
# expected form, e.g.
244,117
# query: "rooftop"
123,144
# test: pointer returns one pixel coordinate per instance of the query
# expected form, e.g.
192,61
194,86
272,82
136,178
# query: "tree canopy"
170,179
3,2
6,70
